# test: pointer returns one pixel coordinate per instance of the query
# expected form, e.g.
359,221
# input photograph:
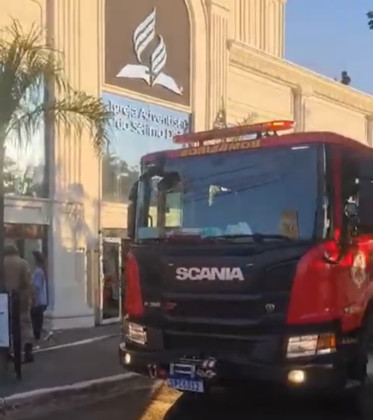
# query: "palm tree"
249,119
34,90
117,178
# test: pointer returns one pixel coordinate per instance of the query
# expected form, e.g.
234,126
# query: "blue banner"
140,127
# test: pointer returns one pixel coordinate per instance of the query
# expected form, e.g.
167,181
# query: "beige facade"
236,56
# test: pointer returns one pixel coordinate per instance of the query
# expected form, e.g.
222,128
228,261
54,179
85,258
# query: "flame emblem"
152,74
144,35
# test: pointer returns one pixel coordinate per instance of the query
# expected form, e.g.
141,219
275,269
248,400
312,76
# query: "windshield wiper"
174,238
262,236
256,237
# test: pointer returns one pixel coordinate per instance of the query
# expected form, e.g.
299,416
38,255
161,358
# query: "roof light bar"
240,130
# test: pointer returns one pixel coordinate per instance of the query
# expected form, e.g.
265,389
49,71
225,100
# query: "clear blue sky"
329,36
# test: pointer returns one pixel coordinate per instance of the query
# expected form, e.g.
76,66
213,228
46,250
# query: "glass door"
111,279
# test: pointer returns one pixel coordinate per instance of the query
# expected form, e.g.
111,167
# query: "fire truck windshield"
271,192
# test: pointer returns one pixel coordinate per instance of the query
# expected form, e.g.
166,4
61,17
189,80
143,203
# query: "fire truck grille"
211,345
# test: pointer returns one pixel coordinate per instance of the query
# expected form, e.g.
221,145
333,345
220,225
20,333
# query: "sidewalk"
62,338
70,357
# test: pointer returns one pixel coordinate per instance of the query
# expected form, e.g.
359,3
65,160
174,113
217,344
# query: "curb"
49,396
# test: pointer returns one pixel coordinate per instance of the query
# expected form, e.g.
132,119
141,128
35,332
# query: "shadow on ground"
140,402
225,405
126,401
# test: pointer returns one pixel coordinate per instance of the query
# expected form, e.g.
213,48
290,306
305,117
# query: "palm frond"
249,119
28,66
83,111
77,110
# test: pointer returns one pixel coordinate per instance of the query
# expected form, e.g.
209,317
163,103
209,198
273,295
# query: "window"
173,209
363,193
117,178
25,160
27,238
267,191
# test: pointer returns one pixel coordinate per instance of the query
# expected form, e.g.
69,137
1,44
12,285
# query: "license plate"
188,385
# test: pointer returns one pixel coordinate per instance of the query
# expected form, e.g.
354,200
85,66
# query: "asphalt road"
165,404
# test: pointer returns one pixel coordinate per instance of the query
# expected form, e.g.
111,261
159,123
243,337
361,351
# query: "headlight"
310,345
136,333
302,346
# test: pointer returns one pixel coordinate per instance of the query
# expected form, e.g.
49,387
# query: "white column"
261,24
369,123
74,208
301,94
248,22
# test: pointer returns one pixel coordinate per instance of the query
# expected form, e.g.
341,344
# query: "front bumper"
324,372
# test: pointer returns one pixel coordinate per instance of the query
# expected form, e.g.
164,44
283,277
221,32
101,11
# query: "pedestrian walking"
40,301
17,280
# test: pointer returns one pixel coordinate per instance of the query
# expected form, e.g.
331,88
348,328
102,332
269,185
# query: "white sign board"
4,320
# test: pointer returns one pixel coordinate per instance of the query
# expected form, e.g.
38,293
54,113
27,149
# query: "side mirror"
169,182
352,213
131,219
351,210
131,211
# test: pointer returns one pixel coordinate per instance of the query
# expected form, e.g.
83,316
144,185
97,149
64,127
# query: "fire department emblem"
358,269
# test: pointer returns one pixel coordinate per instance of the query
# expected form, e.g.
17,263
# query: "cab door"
354,285
111,280
364,182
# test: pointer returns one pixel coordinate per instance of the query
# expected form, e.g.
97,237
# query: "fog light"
127,359
297,376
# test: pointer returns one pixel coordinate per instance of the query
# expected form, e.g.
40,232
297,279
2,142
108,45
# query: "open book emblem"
152,74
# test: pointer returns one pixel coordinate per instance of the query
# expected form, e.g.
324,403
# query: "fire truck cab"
251,259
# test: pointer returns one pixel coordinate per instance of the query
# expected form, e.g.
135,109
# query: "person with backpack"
17,279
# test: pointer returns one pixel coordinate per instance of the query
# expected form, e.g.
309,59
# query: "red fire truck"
251,259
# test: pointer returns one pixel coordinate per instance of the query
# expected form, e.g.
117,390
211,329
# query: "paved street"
66,366
170,405
136,399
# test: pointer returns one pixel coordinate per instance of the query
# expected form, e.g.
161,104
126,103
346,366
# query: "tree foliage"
249,119
370,19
